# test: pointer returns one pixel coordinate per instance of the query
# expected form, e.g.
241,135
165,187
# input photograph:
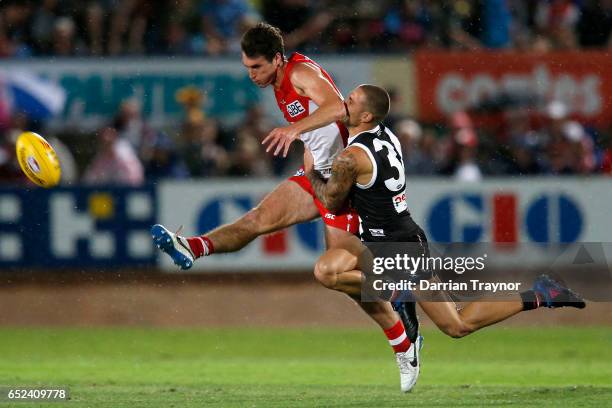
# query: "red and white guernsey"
324,143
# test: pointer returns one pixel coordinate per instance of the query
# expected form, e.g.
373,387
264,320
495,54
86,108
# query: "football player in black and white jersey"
370,173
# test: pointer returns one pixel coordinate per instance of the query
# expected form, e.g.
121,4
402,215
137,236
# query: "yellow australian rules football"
38,160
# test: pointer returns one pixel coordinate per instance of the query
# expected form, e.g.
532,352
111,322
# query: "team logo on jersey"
399,202
295,108
377,232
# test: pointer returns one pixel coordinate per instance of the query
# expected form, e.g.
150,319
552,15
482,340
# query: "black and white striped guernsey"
381,203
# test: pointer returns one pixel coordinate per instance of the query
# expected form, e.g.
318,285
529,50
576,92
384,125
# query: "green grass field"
304,368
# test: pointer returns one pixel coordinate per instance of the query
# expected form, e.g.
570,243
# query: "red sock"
200,246
397,337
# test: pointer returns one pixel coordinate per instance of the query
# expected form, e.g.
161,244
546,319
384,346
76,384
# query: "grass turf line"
311,367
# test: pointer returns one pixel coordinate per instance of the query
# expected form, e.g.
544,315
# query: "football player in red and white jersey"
314,108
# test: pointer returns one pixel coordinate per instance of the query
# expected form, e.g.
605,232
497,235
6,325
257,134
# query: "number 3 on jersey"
392,183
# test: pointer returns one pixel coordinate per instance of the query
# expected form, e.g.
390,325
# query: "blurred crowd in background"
129,151
213,27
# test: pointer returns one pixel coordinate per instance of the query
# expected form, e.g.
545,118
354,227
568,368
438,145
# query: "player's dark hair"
377,101
263,40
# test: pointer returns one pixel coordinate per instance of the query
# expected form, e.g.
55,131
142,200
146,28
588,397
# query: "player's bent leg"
381,312
459,323
546,292
286,205
475,316
336,269
445,315
341,238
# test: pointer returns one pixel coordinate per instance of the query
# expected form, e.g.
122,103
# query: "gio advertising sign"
540,214
543,211
105,228
498,217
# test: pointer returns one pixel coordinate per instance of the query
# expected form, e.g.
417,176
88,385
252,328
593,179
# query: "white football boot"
174,245
408,363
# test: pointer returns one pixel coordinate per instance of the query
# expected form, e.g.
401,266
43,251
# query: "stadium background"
504,112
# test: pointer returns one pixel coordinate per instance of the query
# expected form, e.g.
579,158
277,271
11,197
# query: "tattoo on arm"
333,192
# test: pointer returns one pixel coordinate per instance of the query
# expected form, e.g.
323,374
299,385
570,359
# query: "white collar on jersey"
373,130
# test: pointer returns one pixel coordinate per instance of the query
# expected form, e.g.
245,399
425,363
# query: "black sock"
530,300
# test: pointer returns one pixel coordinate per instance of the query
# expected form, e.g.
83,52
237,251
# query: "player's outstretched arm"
308,81
333,192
